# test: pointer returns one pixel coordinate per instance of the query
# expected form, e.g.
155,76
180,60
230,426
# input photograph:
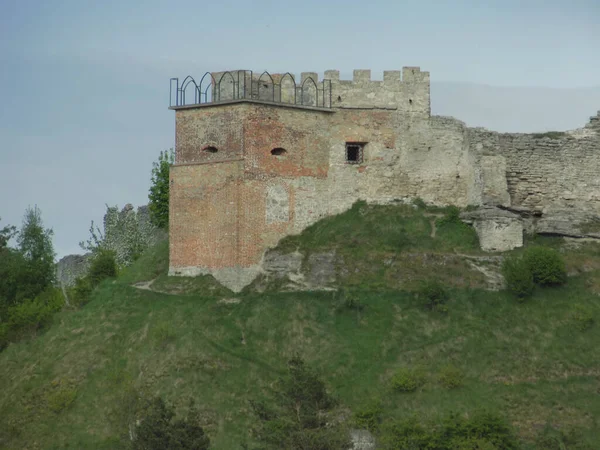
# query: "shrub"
369,416
546,265
434,295
518,276
482,428
408,380
410,434
452,216
159,430
61,399
451,377
300,416
162,334
80,293
482,431
4,335
551,438
582,317
27,317
419,203
103,266
349,302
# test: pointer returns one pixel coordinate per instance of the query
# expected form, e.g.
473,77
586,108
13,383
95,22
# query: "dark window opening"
354,153
211,149
278,151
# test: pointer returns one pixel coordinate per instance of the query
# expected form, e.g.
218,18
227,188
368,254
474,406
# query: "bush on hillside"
408,380
298,419
551,438
159,430
103,266
369,416
518,276
547,266
452,216
434,295
483,431
29,316
451,377
80,293
538,265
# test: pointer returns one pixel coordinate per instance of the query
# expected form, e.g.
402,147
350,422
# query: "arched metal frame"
233,87
316,92
245,86
272,83
291,77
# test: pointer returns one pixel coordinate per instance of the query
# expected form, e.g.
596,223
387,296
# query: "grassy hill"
535,362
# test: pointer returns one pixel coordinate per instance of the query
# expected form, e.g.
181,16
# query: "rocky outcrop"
499,230
71,267
291,272
569,222
362,440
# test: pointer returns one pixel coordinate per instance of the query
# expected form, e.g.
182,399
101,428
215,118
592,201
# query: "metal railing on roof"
244,84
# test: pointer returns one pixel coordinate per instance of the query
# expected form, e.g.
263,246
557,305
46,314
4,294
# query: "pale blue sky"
84,85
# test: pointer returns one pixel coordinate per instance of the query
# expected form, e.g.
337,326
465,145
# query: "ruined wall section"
548,171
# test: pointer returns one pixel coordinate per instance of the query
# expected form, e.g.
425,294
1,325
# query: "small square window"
354,152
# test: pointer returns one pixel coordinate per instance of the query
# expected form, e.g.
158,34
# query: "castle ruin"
260,157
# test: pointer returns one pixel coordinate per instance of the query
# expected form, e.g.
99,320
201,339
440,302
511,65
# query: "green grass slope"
536,362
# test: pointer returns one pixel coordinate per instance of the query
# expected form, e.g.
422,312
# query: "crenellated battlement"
407,90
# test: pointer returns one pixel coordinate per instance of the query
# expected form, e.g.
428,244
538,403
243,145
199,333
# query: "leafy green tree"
35,244
6,234
11,265
159,189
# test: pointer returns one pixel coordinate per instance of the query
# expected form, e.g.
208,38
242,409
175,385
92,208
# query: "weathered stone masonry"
253,168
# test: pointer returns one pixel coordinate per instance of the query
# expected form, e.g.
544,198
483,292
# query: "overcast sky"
84,85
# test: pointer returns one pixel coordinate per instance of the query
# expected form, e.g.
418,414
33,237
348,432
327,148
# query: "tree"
159,429
35,244
301,417
159,189
6,234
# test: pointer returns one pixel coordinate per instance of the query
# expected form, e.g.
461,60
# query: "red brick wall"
204,205
217,126
219,209
302,133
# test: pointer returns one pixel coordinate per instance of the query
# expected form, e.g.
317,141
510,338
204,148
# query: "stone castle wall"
279,168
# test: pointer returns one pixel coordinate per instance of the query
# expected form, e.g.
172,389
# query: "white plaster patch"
278,204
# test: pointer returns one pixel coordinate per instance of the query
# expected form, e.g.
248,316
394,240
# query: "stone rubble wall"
542,173
71,267
127,232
